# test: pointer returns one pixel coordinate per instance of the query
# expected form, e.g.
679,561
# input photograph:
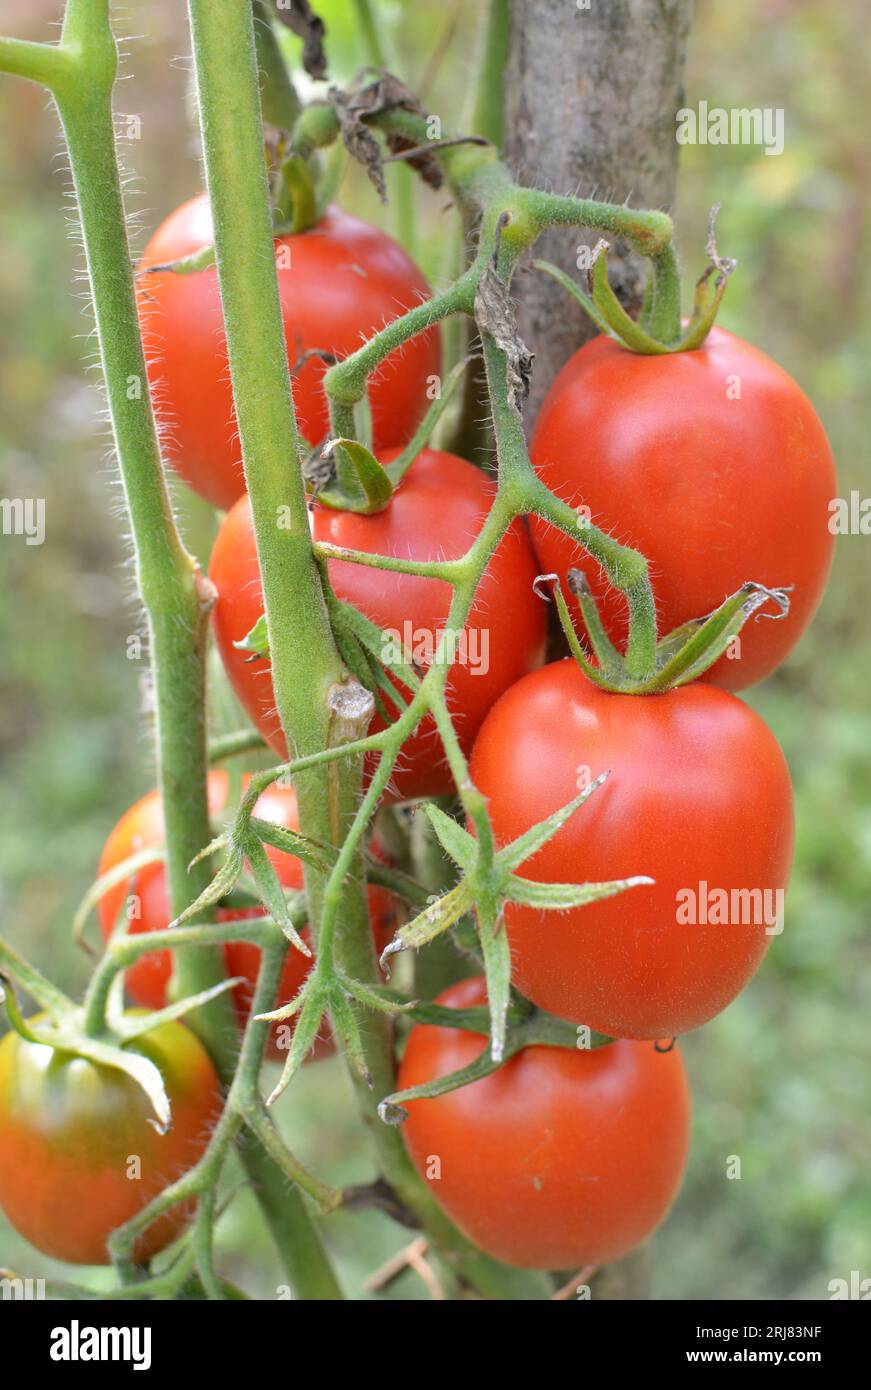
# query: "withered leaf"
386,93
494,314
299,17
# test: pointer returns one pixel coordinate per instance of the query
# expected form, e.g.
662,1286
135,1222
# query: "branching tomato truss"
328,662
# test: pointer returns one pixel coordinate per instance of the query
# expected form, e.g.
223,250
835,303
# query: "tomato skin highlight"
698,798
69,1128
141,827
712,491
558,1160
338,283
436,513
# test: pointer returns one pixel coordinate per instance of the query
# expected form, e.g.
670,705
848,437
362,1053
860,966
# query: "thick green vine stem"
176,596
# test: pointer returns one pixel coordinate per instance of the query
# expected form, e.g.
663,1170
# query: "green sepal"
559,897
130,1026
270,890
453,838
119,873
221,884
523,848
378,997
345,1022
363,485
391,1109
398,467
257,640
431,922
497,971
185,265
310,1015
291,842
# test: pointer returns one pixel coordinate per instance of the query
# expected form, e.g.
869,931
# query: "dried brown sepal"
386,93
494,314
301,19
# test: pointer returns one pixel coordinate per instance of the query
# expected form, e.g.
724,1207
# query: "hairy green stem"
82,73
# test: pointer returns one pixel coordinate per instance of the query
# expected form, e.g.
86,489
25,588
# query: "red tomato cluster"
713,464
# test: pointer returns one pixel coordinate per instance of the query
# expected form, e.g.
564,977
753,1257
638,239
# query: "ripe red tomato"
559,1159
436,512
141,827
339,283
69,1130
713,464
698,798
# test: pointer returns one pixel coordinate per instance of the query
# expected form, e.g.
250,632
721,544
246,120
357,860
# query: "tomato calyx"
346,475
528,1026
681,656
640,335
63,1028
487,881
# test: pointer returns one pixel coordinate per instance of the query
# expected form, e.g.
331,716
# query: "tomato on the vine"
436,512
69,1129
713,464
148,905
338,283
698,799
559,1159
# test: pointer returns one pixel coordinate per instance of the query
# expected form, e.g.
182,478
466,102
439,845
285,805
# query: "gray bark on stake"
590,100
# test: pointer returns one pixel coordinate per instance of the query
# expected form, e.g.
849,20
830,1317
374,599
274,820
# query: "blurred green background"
782,1078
